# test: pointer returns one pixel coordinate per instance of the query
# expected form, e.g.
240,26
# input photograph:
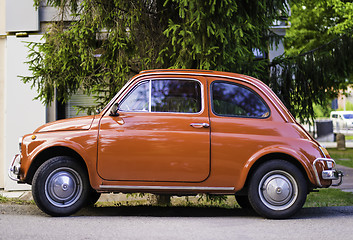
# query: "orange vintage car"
178,132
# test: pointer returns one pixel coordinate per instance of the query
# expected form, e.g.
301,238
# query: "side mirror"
114,110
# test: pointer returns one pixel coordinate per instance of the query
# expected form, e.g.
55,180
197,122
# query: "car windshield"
348,116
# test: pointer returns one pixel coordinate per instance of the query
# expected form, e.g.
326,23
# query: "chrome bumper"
331,174
14,170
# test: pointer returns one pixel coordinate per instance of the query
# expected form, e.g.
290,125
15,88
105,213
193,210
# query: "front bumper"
14,170
328,171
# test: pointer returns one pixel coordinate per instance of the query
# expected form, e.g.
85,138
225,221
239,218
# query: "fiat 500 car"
178,132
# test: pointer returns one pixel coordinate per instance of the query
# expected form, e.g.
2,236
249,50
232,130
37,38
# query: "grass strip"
342,157
329,197
6,200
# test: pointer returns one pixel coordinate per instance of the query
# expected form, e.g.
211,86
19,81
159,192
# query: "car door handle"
199,125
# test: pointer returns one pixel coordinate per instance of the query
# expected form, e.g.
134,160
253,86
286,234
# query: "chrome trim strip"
174,188
150,96
203,104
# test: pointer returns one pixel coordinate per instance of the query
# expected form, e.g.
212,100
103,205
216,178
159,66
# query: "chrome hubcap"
278,190
63,187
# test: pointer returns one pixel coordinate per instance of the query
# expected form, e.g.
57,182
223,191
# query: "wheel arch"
51,152
269,157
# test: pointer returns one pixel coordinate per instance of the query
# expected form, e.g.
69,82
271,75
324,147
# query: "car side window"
181,96
138,99
167,95
231,99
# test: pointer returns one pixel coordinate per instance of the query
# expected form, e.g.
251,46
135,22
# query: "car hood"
71,124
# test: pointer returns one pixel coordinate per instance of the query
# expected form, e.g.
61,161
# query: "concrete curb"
106,197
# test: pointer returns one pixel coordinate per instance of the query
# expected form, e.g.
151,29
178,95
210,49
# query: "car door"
241,126
161,134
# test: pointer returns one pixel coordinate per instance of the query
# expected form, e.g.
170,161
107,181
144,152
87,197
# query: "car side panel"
82,142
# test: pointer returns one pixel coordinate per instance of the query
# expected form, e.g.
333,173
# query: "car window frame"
245,87
129,94
202,95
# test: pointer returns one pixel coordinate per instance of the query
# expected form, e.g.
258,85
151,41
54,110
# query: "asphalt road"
27,222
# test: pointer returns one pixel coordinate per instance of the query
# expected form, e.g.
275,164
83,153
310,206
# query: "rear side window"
231,99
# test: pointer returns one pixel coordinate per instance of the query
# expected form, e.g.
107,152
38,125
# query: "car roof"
201,72
192,71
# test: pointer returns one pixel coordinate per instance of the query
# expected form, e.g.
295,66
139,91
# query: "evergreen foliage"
315,77
319,47
111,40
134,35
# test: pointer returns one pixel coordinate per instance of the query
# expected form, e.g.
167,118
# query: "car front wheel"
60,186
243,201
277,189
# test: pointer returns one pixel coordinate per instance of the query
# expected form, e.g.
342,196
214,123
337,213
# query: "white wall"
21,15
22,113
2,92
274,50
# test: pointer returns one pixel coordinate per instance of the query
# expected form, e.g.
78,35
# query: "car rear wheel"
60,186
277,189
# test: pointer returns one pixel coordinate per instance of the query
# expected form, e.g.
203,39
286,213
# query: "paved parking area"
347,184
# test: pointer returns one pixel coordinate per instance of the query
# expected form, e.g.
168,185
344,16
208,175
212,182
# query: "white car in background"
342,121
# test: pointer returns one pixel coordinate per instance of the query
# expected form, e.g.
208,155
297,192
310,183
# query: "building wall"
21,16
2,89
23,114
19,113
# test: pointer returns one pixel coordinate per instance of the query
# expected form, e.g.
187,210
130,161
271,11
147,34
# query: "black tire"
243,201
92,198
277,189
60,186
